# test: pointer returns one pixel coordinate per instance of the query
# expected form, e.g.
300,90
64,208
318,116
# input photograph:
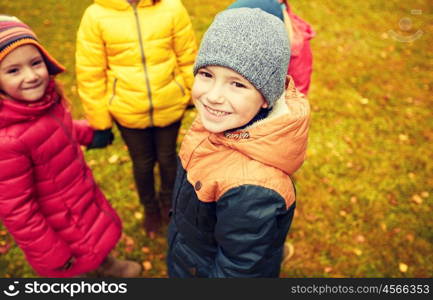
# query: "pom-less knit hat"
14,33
251,42
270,6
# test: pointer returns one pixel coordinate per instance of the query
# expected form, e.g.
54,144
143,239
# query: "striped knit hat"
14,33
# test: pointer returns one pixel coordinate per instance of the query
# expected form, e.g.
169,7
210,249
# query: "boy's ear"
265,104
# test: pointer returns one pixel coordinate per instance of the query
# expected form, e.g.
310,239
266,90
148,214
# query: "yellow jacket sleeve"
91,68
185,45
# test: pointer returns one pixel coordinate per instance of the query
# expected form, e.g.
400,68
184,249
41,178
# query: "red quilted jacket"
49,201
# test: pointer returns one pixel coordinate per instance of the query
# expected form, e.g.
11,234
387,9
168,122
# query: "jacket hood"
13,112
279,140
121,4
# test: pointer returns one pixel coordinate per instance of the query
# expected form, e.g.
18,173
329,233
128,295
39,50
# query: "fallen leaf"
4,248
129,241
343,213
113,159
138,215
360,238
147,265
363,101
424,194
403,267
403,137
328,269
145,250
357,251
417,199
396,230
353,199
410,237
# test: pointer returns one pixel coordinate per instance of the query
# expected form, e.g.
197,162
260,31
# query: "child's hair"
251,42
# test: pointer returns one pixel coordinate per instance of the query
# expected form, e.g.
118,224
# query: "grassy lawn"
365,192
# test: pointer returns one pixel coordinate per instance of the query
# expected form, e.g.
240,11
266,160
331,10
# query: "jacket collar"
280,140
12,111
122,4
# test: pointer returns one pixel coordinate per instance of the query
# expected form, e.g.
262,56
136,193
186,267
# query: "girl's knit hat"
14,33
251,42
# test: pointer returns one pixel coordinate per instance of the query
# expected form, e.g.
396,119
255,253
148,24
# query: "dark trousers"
146,147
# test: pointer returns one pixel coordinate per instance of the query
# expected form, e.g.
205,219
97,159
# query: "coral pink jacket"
49,201
301,59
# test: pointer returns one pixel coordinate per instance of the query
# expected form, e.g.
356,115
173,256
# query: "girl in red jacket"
49,201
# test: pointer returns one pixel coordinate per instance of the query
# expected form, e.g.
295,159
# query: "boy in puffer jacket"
234,199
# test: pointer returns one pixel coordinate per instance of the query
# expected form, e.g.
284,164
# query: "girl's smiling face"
23,74
225,99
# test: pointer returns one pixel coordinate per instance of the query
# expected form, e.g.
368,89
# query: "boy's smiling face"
225,99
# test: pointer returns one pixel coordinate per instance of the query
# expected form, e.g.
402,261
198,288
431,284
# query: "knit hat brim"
53,66
14,33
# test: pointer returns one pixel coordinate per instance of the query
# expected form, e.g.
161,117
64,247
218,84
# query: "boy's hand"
101,139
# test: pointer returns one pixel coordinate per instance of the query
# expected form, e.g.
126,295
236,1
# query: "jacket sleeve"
91,66
185,45
20,213
83,132
245,231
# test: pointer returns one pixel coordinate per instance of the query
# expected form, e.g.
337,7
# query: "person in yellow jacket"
134,62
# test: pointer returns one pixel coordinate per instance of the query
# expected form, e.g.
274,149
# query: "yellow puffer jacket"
134,64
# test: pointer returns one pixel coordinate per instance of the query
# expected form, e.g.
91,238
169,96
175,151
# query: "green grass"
365,192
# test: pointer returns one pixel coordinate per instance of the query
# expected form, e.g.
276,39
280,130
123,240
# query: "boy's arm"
185,45
246,229
91,66
19,211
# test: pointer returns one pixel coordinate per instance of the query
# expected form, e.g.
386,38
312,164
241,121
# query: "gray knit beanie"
251,42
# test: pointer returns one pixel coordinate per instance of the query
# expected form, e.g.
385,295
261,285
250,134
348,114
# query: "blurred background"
365,191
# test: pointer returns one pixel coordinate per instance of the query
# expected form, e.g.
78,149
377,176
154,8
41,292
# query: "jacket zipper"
143,61
114,90
178,84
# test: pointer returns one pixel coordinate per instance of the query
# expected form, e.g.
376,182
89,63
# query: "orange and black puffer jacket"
234,199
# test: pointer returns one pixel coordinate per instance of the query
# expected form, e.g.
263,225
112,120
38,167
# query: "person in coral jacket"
134,68
49,200
300,33
234,197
